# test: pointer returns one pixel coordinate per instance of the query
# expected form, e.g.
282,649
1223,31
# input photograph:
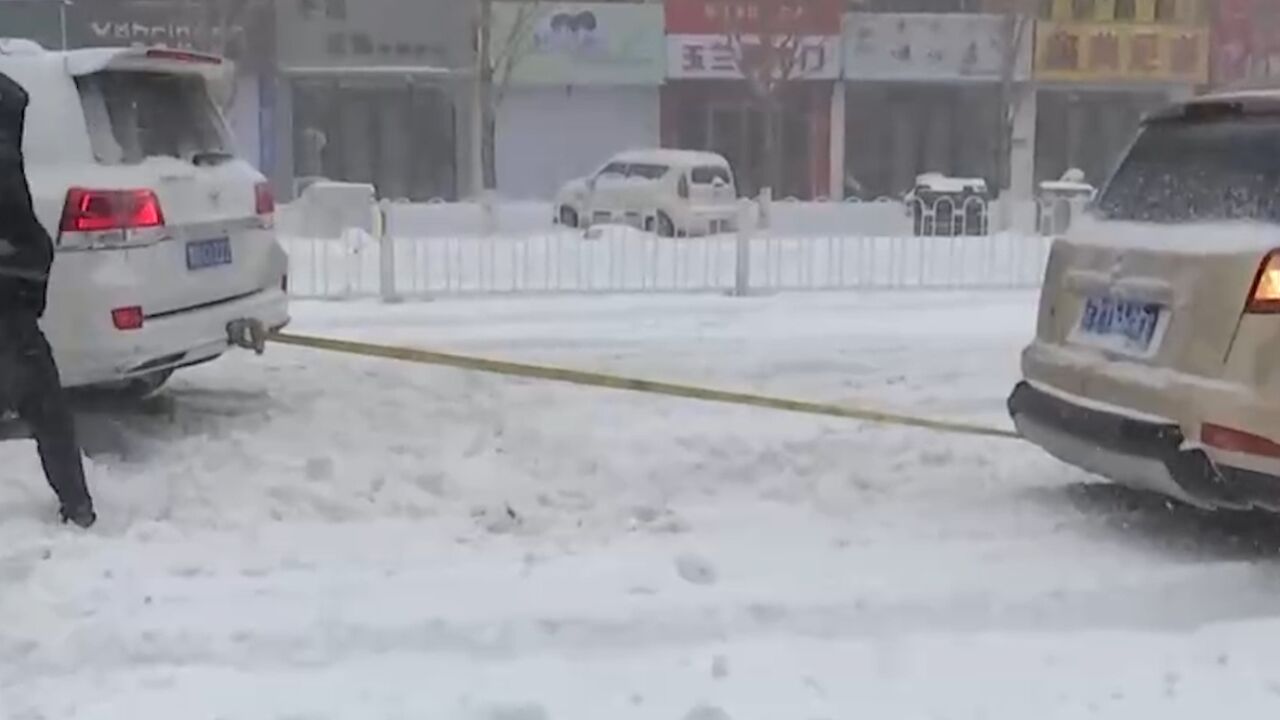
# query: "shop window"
401,139
1126,10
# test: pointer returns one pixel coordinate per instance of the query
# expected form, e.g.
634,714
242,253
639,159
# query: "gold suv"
1156,361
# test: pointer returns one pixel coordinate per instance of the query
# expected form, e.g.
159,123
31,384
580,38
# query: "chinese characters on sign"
716,57
807,17
374,33
1084,52
929,47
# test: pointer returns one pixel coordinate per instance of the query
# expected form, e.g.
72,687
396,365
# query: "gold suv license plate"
1127,326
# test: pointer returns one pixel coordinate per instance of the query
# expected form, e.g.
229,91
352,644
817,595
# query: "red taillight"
266,200
1264,297
127,318
102,210
1238,441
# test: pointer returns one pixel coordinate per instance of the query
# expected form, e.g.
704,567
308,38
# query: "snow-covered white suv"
674,193
166,253
1156,361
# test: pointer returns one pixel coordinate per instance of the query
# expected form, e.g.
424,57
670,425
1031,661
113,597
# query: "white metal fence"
424,251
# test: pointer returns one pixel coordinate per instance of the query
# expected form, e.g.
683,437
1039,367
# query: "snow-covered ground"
313,536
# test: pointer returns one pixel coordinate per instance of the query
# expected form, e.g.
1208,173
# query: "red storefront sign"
709,17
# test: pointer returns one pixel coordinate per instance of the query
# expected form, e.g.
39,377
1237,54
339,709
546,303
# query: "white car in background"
166,252
674,193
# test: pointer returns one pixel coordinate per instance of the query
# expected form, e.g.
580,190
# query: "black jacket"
26,251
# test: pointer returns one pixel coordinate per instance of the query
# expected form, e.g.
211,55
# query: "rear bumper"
172,341
1137,453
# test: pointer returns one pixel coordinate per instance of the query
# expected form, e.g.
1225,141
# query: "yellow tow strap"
616,382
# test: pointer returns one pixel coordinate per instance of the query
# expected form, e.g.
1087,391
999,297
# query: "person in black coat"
29,380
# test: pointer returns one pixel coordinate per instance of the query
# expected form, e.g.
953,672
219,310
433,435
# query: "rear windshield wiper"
211,157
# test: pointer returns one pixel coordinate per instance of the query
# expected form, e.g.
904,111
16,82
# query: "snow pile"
309,536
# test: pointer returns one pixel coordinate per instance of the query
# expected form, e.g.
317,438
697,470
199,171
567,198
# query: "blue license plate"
1130,324
203,254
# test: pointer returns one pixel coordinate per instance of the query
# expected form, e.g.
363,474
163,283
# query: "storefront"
376,91
584,85
926,93
709,104
1102,65
1246,41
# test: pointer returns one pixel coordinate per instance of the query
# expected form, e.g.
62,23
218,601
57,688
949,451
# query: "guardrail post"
386,254
746,222
765,201
488,214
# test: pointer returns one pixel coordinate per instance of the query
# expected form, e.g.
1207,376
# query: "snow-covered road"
312,536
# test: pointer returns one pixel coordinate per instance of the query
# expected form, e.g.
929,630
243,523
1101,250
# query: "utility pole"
480,99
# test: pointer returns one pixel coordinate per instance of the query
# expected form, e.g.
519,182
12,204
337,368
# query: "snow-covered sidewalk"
312,536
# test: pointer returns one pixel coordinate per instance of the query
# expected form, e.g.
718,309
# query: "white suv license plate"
1122,325
203,254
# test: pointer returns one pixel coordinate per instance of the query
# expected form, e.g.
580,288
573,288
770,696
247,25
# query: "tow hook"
248,333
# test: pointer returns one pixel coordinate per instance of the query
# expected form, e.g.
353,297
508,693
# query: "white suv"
674,193
166,253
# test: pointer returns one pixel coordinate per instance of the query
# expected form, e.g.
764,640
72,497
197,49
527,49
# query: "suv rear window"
1187,171
136,115
708,174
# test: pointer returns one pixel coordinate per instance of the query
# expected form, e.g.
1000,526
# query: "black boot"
81,516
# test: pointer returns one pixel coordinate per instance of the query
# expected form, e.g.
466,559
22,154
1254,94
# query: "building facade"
929,92
584,83
1246,41
708,102
1101,65
376,91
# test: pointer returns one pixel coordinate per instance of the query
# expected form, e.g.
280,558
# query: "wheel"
568,216
666,228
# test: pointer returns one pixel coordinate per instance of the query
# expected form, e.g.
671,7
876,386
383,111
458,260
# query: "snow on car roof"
671,157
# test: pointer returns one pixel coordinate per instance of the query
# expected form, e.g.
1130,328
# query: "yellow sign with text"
1121,52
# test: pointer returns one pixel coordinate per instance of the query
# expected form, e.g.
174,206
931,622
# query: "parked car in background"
1156,361
166,252
674,193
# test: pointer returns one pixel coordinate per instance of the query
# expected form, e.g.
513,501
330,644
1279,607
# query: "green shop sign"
581,43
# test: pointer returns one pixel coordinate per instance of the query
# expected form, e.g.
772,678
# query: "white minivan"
673,193
166,252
